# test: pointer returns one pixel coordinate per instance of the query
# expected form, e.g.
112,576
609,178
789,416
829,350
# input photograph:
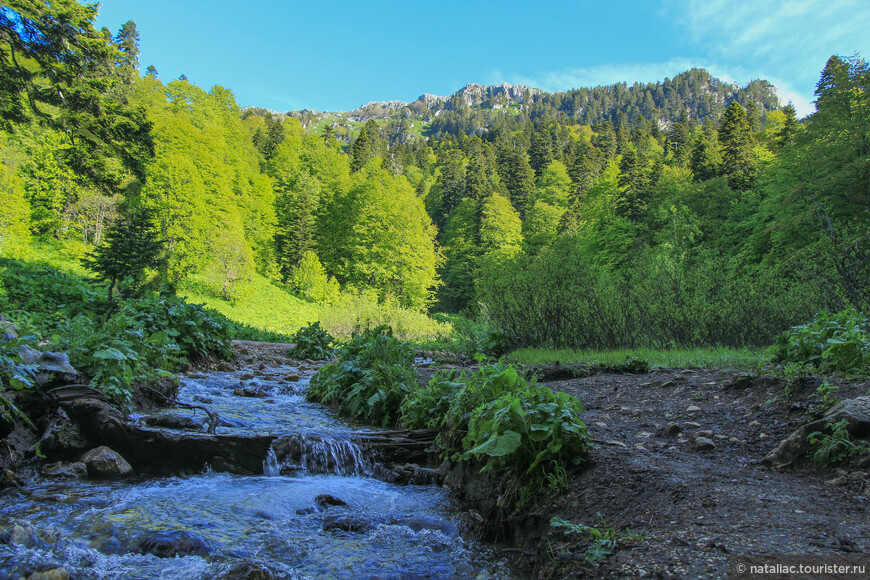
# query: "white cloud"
787,39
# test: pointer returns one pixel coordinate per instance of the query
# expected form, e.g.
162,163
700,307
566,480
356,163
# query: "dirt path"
697,508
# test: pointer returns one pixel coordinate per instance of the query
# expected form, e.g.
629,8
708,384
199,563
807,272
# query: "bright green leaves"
830,343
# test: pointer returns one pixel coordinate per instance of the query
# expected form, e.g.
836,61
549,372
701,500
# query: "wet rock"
693,409
292,378
325,500
53,574
63,437
226,367
9,479
672,429
5,538
246,376
704,444
345,524
171,543
250,392
103,463
178,422
252,571
706,434
23,536
60,470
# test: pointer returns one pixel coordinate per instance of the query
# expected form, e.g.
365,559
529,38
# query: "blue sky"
339,55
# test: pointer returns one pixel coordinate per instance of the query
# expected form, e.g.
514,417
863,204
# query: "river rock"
250,392
703,444
9,479
345,524
672,429
103,463
171,543
325,500
856,413
168,421
60,470
225,367
53,574
252,571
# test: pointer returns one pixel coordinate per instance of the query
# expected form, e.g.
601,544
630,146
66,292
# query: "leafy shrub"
527,428
830,343
312,342
837,447
630,366
354,314
427,408
370,379
14,373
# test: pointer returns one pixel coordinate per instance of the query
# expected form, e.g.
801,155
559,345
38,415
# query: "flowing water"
274,521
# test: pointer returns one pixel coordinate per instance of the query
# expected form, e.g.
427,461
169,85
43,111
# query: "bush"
312,342
830,343
370,379
356,313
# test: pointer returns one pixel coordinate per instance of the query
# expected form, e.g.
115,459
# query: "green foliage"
427,408
729,358
312,342
526,428
355,313
630,366
369,380
830,343
14,373
602,540
137,341
837,447
311,281
131,248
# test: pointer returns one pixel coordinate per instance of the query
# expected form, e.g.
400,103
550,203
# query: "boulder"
325,500
103,463
60,470
345,524
169,421
856,413
171,543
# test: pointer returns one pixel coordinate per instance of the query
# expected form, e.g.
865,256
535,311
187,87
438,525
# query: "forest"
689,212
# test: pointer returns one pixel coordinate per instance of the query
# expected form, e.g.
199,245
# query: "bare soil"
696,509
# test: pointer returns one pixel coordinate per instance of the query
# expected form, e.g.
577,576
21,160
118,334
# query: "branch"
213,417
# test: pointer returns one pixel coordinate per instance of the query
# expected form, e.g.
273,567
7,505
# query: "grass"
676,358
265,305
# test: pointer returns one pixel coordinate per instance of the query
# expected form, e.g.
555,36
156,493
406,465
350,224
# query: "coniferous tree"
736,138
131,246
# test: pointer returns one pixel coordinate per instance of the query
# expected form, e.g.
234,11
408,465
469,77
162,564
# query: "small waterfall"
315,454
271,467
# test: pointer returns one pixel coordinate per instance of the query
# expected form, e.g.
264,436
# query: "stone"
171,543
226,367
345,524
693,409
252,571
9,479
325,500
60,470
246,377
23,536
292,378
720,437
672,429
706,434
103,463
170,421
250,392
753,424
703,444
53,574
